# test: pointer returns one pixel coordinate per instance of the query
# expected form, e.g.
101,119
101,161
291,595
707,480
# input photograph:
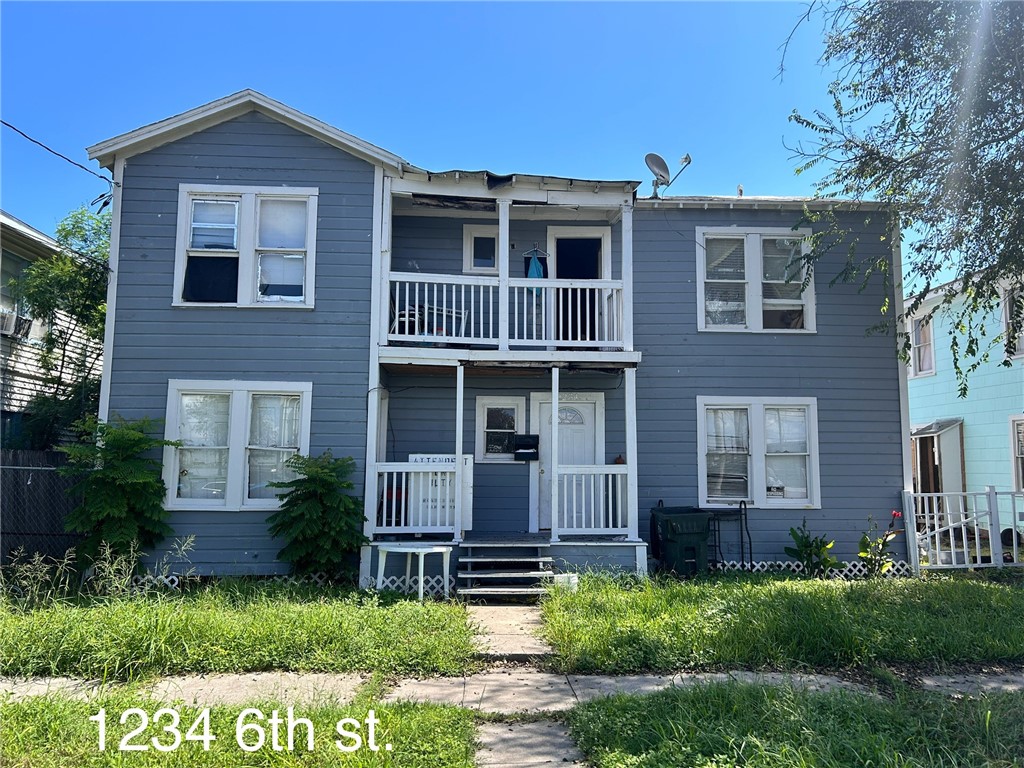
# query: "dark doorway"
578,258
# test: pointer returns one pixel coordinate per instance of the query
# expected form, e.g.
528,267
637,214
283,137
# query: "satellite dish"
659,168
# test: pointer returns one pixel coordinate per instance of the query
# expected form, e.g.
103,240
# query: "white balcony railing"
583,313
468,309
415,498
590,500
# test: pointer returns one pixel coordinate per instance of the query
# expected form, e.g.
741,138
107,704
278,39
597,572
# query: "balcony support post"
627,277
632,497
503,270
460,407
553,453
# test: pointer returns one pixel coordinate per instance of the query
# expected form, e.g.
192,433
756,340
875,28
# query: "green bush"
120,485
320,521
814,553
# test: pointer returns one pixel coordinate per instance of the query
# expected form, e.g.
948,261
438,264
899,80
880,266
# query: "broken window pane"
500,442
725,304
281,276
211,279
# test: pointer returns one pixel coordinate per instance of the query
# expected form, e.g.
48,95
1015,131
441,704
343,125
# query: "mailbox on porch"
527,447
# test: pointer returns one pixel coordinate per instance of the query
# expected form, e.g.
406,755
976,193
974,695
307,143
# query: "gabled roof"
27,240
173,128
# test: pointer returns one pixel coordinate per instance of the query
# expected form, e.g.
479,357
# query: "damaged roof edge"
751,201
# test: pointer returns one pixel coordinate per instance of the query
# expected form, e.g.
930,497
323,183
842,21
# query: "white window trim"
1007,295
752,268
1016,478
604,234
469,232
238,433
758,473
247,251
491,401
912,372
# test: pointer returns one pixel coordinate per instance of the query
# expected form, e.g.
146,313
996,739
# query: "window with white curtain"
753,280
922,350
236,438
759,450
245,246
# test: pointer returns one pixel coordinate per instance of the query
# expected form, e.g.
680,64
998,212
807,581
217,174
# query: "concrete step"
523,559
502,590
507,544
506,574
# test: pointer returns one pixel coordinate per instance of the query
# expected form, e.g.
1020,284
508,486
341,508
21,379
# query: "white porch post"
460,377
632,496
379,291
503,288
553,453
384,323
627,277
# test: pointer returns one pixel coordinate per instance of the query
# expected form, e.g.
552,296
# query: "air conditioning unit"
13,324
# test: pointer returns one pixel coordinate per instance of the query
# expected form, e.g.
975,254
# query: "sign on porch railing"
431,500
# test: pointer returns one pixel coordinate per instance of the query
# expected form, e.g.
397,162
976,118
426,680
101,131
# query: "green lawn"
233,627
55,732
632,625
726,725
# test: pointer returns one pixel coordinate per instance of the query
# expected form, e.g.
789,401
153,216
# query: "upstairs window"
1013,299
753,280
922,350
480,249
241,246
1017,440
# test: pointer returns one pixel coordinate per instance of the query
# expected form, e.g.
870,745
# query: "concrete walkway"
509,632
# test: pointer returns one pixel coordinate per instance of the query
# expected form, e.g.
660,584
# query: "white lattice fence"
851,570
432,585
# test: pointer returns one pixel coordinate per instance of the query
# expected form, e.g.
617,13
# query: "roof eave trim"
187,123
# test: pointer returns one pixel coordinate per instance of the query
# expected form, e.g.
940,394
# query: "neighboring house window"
1010,300
235,439
498,421
759,450
480,249
753,280
245,246
1017,437
14,319
922,350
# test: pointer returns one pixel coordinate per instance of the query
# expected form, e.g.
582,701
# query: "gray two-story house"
281,286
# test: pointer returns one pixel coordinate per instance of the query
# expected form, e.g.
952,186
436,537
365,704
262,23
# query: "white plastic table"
414,549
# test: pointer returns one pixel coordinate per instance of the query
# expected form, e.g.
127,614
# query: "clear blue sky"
570,89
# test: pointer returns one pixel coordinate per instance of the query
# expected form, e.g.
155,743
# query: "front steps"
505,567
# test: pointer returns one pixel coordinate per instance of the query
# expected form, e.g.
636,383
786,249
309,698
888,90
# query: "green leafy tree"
68,292
120,485
319,519
927,118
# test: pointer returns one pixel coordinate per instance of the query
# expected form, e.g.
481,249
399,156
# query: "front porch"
450,467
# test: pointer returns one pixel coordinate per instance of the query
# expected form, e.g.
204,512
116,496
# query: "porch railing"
415,498
590,500
468,309
965,530
583,313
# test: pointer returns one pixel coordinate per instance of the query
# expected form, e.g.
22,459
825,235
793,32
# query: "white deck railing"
468,309
415,498
584,313
965,530
590,500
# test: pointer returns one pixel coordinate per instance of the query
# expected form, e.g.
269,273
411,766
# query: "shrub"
873,550
120,485
320,521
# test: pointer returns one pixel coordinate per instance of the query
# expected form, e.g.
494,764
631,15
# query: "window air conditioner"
13,324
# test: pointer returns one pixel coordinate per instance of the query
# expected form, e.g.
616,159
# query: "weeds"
769,622
777,727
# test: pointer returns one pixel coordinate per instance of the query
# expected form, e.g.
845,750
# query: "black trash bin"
679,539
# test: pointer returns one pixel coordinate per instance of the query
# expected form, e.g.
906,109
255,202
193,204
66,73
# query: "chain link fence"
34,501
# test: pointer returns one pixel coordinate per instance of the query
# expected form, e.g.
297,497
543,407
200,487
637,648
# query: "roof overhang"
173,128
766,202
937,427
19,236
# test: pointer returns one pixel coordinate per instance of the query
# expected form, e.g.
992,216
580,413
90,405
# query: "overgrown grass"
723,725
233,627
55,732
631,625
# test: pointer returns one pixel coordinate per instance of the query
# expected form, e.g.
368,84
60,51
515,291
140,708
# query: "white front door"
580,441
